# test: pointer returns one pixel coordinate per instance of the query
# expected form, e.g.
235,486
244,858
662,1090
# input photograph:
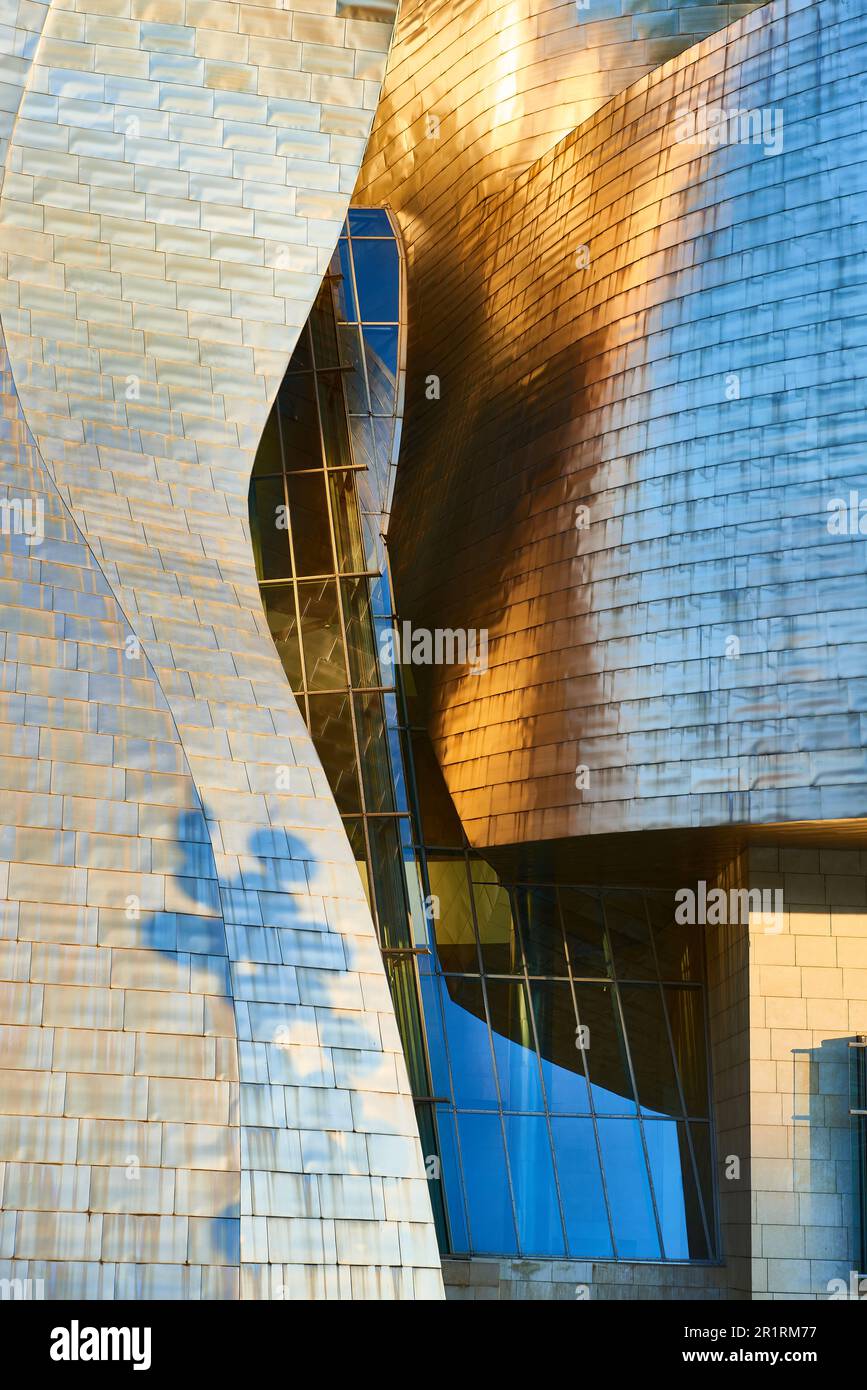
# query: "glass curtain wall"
555,1035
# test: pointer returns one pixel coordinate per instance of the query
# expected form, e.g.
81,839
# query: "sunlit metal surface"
669,335
185,931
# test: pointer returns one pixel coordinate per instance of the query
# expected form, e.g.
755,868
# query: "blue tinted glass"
536,1205
341,267
514,1046
605,1052
562,1062
469,1045
369,222
628,1190
492,1227
377,274
451,1177
430,993
674,1187
581,1188
380,346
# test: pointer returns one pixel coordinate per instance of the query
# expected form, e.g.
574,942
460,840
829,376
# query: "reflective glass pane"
269,456
308,515
678,946
628,932
459,1239
497,934
279,601
431,987
347,524
355,831
323,330
492,1226
628,1190
331,731
400,971
701,1143
514,1045
369,222
650,1050
377,272
472,1063
674,1185
373,751
605,1053
354,384
299,423
359,632
321,636
686,1016
541,932
269,532
452,918
335,429
380,346
302,357
540,1231
344,292
386,853
581,1191
562,1060
585,938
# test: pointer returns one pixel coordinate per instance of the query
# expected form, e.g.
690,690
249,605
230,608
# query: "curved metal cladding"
667,331
204,1093
475,93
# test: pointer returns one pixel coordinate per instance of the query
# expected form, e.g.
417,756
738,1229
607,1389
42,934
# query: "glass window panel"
459,1240
321,636
299,423
343,290
373,751
605,1055
431,1154
537,1209
678,945
308,516
323,330
279,602
650,1050
452,919
355,832
369,222
268,529
389,882
628,1190
380,347
400,971
514,1045
540,930
363,667
677,1203
585,936
581,1192
499,942
492,1225
362,441
331,731
335,429
629,935
431,986
377,276
701,1142
354,384
395,753
269,455
302,358
562,1060
472,1062
686,1016
347,525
